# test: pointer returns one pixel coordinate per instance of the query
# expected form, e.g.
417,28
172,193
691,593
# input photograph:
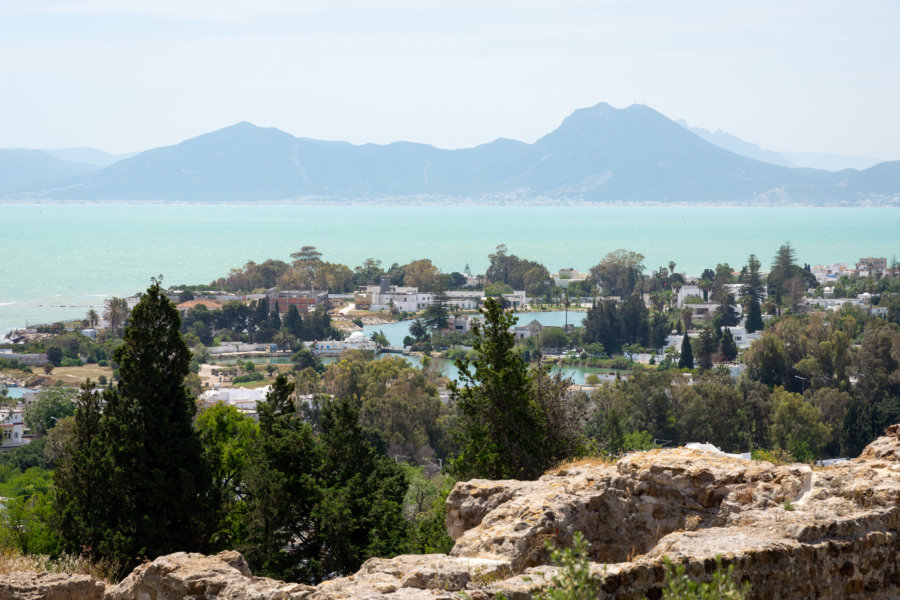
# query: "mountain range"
599,154
812,160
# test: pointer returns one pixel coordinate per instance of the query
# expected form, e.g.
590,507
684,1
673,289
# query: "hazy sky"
126,75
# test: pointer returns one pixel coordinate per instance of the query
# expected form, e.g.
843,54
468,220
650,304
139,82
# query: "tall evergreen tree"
726,313
436,313
319,505
706,347
753,285
294,322
509,422
602,324
728,346
686,360
754,321
282,491
147,454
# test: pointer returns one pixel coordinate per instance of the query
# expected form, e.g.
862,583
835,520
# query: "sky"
128,75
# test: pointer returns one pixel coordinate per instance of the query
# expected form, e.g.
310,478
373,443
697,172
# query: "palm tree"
417,329
284,339
92,317
116,313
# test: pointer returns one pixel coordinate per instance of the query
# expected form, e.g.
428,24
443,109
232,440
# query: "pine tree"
686,361
753,285
436,313
147,456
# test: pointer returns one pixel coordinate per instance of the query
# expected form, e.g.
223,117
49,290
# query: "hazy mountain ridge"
597,154
20,168
810,160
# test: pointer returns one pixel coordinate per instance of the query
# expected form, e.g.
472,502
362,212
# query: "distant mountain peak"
597,154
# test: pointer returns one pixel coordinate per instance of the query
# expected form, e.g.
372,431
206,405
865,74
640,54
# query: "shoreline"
457,202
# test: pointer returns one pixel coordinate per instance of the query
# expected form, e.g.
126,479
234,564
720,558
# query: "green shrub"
574,580
248,377
722,586
776,456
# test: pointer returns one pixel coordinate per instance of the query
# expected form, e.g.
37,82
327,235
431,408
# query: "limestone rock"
224,576
49,586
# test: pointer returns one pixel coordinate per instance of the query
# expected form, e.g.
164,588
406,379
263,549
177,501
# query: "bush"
776,456
574,580
103,363
71,362
248,377
723,586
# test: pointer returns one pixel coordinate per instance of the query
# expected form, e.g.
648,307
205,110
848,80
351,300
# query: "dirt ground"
75,376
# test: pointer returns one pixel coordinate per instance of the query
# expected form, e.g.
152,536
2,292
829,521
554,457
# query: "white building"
244,399
688,291
533,329
410,299
564,277
356,341
742,339
13,426
830,273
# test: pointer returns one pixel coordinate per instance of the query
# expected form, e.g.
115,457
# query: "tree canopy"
134,483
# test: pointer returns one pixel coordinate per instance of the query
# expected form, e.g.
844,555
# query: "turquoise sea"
58,260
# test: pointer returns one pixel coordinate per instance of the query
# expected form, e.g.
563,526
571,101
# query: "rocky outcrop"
224,576
23,585
791,531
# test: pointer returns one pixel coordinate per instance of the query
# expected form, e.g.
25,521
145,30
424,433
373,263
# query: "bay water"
59,260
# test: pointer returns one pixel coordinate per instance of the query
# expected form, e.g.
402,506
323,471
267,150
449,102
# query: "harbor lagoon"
59,260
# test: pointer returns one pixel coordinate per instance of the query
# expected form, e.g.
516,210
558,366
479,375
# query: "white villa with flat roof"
13,426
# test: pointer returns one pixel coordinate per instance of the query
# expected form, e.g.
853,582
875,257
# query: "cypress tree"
148,457
754,320
686,361
728,346
706,347
294,322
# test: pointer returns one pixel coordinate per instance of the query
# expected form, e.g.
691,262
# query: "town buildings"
304,300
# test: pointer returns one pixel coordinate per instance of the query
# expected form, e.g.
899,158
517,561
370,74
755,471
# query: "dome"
357,336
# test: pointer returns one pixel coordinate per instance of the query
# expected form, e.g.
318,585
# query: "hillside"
21,168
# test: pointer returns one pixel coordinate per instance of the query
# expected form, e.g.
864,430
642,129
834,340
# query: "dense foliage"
134,483
349,459
512,421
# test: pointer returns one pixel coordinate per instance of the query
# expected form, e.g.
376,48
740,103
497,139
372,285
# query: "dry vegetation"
75,376
12,560
587,461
